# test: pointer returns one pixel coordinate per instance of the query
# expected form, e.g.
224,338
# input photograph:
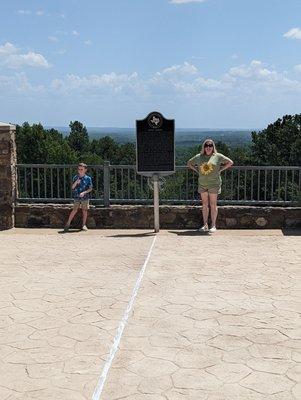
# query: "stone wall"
7,175
174,217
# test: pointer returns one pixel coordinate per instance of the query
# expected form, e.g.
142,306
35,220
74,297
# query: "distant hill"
184,137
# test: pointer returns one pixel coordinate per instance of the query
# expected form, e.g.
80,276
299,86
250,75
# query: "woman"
209,164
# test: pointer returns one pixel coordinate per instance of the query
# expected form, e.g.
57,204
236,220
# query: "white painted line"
102,379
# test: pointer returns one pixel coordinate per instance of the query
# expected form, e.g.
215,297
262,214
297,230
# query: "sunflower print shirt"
209,169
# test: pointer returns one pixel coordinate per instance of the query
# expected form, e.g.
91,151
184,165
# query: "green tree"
59,151
91,159
295,156
78,138
223,148
183,154
276,144
241,155
31,143
127,154
36,145
107,148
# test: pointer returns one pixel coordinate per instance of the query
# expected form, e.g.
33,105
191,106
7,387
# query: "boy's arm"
89,190
76,182
74,185
82,194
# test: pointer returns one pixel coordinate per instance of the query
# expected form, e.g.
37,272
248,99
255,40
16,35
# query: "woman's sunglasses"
208,145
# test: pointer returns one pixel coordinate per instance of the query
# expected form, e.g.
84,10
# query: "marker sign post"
155,148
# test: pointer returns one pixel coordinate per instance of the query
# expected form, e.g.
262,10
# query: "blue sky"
210,63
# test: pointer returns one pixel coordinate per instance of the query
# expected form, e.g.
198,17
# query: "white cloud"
88,42
294,33
247,94
75,33
38,13
18,83
11,57
255,70
62,51
184,80
196,58
257,79
23,12
298,67
31,59
53,39
184,69
111,83
185,1
176,83
234,56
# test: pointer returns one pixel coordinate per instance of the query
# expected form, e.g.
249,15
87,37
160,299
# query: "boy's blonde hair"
81,164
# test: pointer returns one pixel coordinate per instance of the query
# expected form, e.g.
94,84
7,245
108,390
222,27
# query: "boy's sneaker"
204,228
66,228
213,229
84,228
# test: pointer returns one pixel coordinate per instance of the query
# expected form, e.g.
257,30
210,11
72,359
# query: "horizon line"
177,128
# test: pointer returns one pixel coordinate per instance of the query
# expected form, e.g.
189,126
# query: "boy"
81,189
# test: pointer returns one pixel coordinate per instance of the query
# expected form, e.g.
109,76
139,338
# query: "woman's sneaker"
204,228
212,229
84,228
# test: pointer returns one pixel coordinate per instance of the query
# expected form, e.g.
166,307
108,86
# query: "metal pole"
156,203
106,184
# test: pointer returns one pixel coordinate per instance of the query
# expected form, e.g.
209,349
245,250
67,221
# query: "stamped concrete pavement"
216,317
61,299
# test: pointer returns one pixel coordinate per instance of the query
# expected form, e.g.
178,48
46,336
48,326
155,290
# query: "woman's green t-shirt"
209,169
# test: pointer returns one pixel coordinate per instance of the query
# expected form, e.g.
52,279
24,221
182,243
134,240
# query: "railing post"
106,184
7,176
156,203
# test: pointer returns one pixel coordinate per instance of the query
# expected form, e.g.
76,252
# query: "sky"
205,63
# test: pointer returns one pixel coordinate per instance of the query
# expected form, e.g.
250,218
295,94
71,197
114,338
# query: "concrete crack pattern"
61,299
216,317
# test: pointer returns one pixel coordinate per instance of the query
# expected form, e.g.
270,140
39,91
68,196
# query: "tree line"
278,144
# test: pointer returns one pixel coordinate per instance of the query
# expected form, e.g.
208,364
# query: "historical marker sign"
155,144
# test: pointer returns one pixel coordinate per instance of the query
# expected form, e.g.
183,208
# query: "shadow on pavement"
69,231
120,235
291,232
190,233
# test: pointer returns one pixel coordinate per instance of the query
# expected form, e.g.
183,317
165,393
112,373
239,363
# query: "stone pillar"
7,175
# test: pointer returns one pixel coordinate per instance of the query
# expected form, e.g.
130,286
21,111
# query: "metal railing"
120,184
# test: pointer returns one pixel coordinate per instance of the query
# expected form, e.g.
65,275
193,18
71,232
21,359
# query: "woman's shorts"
81,203
214,190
